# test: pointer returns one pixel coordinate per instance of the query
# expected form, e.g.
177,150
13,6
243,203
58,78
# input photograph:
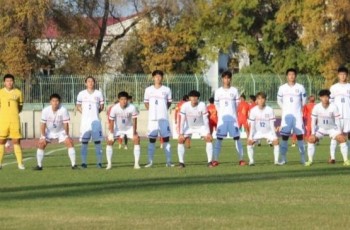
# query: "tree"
20,24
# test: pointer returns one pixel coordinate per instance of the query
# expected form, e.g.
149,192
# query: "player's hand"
181,138
209,137
136,137
42,137
110,136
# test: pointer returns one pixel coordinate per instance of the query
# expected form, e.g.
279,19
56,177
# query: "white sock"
250,151
344,150
276,152
137,153
98,151
151,149
332,148
283,150
310,151
39,156
71,154
167,151
239,149
209,150
109,154
84,153
217,149
181,152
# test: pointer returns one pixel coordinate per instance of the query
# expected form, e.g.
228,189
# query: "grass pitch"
226,197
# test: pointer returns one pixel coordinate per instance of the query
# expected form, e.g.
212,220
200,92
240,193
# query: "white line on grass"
30,158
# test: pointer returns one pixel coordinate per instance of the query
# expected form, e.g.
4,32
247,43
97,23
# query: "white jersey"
123,117
291,99
193,117
340,96
54,120
90,105
262,120
158,102
326,118
226,102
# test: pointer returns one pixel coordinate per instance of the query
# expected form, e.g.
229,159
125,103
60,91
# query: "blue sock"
98,150
84,153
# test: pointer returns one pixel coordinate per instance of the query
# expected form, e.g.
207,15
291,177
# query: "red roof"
52,31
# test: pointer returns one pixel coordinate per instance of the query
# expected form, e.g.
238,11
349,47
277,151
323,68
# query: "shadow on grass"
150,184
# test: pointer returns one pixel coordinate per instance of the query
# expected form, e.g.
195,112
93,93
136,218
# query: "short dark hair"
91,77
185,97
243,95
252,97
157,72
123,94
343,69
55,95
211,100
291,70
194,93
324,92
226,73
9,76
261,94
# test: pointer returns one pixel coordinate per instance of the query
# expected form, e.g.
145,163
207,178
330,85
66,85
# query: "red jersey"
307,110
212,113
251,105
243,112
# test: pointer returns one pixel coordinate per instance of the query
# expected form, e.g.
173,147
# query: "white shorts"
227,127
292,124
160,127
332,133
61,136
91,131
201,130
345,125
121,133
269,136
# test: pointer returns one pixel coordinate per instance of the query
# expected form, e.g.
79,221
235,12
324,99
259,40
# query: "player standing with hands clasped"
157,100
90,103
226,101
291,98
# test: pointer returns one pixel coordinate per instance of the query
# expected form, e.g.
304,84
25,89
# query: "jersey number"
325,122
262,124
342,100
291,99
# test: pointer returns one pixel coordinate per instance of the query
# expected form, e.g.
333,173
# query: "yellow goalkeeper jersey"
10,100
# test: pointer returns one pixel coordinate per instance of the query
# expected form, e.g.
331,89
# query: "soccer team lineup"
226,114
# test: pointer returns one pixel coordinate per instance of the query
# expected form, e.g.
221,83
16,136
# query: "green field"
226,197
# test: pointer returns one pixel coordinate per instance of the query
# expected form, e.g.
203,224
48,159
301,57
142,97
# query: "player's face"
194,101
90,84
291,77
260,101
226,82
123,101
342,77
324,100
55,103
8,83
157,79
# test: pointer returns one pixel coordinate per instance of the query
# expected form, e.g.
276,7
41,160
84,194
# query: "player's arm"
251,121
170,99
176,114
66,127
313,121
100,109
42,130
78,107
303,96
206,123
79,101
146,99
331,97
20,102
280,98
272,123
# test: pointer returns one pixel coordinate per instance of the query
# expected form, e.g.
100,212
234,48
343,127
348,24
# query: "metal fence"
38,89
